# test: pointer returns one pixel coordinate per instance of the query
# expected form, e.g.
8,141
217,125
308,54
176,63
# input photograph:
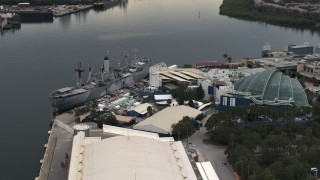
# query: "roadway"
214,154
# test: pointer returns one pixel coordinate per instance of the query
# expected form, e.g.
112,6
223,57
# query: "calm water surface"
40,57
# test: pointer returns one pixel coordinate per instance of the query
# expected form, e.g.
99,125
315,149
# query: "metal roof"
192,74
129,156
141,108
162,97
181,75
207,171
167,74
162,121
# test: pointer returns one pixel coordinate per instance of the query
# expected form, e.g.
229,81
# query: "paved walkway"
212,153
60,143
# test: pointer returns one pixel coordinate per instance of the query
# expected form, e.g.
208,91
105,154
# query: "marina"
40,57
63,10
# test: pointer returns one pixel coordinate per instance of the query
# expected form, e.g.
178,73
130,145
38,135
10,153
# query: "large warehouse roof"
129,157
272,85
162,121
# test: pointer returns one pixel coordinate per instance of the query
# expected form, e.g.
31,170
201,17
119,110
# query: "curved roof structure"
274,87
138,155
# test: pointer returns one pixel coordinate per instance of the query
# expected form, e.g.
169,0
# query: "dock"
64,10
55,162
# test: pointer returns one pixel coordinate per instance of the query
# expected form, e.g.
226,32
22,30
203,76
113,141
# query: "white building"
223,78
131,154
160,74
154,76
139,110
162,121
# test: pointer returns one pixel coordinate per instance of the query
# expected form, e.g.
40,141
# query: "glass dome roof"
272,85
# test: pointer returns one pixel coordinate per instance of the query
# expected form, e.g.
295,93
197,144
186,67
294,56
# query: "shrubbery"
275,151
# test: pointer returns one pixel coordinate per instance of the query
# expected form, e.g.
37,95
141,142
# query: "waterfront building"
300,50
317,49
132,154
222,79
160,75
270,87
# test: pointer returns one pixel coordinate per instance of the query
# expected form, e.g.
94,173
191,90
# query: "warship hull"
67,103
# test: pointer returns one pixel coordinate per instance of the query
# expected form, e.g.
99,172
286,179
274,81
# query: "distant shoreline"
244,9
46,2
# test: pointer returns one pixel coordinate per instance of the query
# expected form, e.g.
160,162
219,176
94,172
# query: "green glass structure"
272,87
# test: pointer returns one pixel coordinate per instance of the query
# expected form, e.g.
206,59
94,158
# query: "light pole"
241,169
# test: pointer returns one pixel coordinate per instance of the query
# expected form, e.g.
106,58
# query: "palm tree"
229,59
225,56
149,110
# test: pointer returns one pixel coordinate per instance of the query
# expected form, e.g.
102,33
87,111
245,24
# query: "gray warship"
108,79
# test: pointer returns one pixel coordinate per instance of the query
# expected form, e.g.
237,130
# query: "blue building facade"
210,90
227,102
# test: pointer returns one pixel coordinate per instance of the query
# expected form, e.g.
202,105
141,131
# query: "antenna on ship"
102,73
134,51
106,63
79,72
90,75
266,49
125,55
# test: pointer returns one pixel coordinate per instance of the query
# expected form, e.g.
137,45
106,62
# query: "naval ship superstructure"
107,80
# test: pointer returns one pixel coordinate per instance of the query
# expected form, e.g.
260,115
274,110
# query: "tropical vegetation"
245,9
187,94
102,117
184,128
281,144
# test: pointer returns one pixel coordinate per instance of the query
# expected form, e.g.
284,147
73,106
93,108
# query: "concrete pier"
55,162
64,10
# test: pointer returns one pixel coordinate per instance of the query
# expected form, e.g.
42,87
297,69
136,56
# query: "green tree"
314,80
232,138
316,112
190,103
199,93
105,117
94,104
149,110
187,66
225,56
76,111
229,59
184,128
180,100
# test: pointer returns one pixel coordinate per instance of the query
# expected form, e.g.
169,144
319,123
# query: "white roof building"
141,108
162,121
130,155
162,97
